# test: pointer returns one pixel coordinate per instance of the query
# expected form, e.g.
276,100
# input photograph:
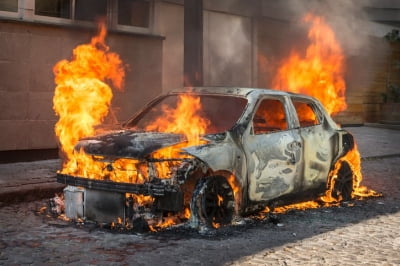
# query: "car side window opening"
269,117
306,114
220,113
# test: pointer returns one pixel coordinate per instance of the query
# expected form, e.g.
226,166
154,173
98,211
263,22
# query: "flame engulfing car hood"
127,143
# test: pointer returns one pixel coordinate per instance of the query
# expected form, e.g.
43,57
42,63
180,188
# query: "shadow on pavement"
235,242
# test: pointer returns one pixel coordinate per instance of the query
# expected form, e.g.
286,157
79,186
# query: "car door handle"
292,159
295,145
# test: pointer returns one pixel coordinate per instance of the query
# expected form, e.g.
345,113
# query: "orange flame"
220,200
320,72
236,191
186,213
298,206
215,225
141,199
185,119
164,223
82,96
353,158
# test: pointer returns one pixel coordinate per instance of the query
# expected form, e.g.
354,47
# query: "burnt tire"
343,186
212,202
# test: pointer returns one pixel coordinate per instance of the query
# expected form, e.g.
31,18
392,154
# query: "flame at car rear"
354,159
319,73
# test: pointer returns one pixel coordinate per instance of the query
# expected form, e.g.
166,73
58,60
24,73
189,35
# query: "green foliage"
393,36
392,93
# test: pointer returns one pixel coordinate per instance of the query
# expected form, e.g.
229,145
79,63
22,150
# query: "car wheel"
343,186
212,202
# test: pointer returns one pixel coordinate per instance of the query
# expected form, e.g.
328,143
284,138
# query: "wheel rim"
343,187
217,202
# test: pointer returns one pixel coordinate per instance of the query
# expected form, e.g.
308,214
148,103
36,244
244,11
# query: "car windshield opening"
219,113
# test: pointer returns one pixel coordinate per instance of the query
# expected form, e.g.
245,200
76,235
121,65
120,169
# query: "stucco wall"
228,57
28,51
239,50
227,48
169,23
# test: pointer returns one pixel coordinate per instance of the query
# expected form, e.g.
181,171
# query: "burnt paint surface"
273,164
219,155
128,144
317,154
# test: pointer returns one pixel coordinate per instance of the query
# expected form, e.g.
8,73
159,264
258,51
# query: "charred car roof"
239,91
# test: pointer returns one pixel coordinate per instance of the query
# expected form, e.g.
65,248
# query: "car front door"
317,144
273,151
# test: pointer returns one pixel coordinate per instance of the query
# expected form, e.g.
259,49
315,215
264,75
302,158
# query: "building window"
9,5
90,10
134,13
124,15
53,8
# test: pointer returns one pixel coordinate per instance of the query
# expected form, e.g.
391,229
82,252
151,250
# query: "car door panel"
317,155
273,164
273,152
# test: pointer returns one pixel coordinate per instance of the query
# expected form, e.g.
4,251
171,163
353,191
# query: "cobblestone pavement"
360,232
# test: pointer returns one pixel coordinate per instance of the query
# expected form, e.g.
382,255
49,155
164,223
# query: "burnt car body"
265,147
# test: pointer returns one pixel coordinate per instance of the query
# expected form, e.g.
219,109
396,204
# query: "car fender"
222,156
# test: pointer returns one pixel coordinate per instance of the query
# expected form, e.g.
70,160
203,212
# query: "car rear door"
273,151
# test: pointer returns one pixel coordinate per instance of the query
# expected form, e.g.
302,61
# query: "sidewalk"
28,181
375,142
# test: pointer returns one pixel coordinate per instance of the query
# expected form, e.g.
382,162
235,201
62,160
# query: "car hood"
127,143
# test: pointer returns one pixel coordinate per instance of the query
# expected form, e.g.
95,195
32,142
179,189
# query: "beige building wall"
227,48
242,45
228,57
28,52
365,82
169,23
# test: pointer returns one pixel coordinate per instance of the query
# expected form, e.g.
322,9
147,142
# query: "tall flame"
82,96
185,119
320,72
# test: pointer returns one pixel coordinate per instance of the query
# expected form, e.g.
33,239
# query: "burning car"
208,155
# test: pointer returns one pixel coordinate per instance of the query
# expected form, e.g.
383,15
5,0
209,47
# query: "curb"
29,192
385,126
371,158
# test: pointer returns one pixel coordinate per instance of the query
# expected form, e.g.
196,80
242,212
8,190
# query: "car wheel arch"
340,180
212,203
